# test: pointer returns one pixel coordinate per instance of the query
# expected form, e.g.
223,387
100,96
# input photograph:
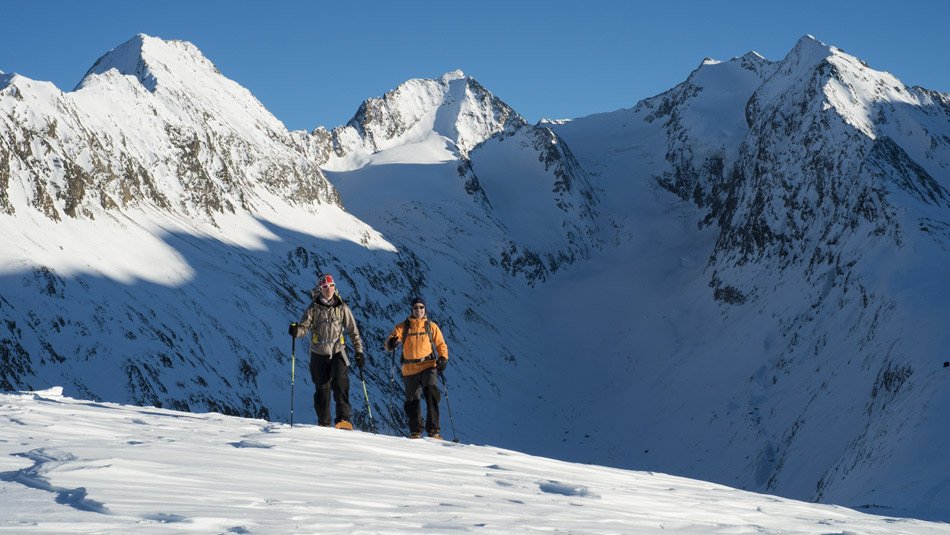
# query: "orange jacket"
416,347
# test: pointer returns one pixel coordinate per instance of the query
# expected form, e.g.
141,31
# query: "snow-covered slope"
742,279
82,467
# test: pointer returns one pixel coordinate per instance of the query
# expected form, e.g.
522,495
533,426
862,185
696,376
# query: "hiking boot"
435,435
343,424
415,434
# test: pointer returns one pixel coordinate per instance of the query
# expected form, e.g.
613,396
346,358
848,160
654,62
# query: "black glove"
292,330
441,364
360,359
391,343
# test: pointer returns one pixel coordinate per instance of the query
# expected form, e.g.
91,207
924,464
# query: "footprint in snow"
166,518
565,489
250,444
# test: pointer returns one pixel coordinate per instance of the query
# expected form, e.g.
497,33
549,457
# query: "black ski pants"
425,383
330,374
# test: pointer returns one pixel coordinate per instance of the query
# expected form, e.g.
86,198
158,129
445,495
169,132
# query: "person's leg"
413,411
430,386
340,385
320,373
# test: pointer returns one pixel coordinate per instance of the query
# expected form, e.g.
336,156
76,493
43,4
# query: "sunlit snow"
74,466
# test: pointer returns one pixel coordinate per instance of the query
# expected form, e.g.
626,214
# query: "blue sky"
313,63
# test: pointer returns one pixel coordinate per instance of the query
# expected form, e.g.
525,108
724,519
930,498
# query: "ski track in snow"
83,467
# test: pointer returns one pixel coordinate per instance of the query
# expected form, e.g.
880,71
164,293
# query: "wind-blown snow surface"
76,466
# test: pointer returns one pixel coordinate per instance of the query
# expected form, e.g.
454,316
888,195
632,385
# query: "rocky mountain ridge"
153,123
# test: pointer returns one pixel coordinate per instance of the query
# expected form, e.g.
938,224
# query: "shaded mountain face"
742,279
822,186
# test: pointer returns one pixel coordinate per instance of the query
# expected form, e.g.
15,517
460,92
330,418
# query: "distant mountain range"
743,279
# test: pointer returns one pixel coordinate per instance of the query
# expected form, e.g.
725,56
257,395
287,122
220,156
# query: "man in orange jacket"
424,356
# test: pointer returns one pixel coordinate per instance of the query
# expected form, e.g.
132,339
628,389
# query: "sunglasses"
419,307
325,286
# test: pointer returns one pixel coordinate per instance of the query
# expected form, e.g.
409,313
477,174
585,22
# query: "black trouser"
330,374
427,383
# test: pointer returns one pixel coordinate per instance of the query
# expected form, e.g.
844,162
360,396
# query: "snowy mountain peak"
750,61
808,52
457,74
699,124
809,40
819,77
187,84
753,62
444,119
152,122
752,55
151,60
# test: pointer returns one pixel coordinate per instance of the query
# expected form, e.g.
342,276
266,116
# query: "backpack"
336,313
405,331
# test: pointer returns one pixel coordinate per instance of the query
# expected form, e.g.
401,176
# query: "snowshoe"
343,424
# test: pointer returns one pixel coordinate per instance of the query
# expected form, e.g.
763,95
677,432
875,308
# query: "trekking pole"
369,409
445,391
392,383
293,366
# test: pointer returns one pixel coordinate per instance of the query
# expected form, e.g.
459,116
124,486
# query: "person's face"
418,310
327,290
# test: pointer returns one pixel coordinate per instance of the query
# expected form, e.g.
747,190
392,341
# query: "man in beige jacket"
327,318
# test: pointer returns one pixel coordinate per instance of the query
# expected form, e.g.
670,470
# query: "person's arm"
394,337
440,347
352,329
304,324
